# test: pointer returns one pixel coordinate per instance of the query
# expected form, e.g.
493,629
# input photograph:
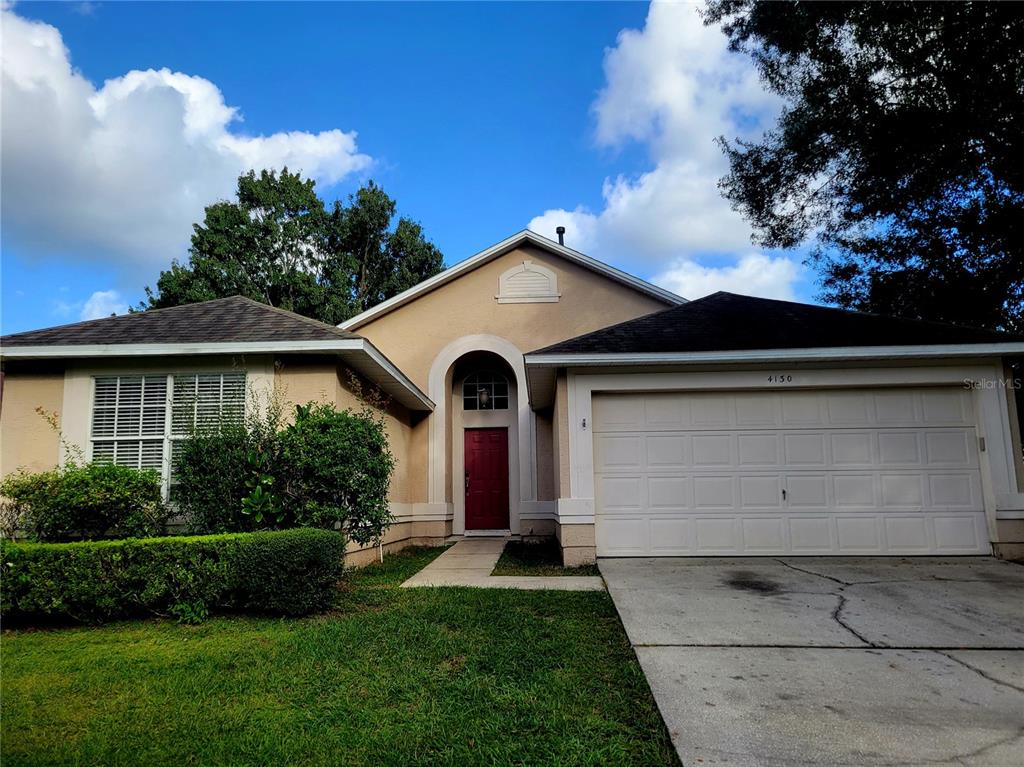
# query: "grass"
392,677
544,558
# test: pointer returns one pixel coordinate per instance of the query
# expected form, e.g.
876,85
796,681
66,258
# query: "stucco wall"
545,457
561,437
26,440
413,335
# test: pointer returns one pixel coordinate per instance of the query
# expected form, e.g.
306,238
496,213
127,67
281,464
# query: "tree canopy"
278,243
897,153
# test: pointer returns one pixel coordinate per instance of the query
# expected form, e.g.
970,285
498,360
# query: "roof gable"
524,237
728,322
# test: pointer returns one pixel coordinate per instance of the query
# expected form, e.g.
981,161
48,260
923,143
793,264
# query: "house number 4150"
781,378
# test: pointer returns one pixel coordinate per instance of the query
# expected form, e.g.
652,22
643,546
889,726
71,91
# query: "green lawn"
544,558
393,677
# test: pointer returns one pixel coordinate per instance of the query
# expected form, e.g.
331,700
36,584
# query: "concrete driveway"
826,661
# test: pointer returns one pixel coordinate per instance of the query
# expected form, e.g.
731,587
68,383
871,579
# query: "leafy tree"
897,151
279,244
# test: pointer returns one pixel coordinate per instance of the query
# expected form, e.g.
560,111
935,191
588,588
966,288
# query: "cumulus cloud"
753,274
121,171
675,87
103,303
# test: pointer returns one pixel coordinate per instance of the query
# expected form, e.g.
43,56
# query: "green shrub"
210,476
335,469
329,469
290,572
94,500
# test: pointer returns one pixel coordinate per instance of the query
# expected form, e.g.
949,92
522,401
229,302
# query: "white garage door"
873,471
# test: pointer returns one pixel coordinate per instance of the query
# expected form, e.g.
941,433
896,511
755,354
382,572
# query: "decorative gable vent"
528,283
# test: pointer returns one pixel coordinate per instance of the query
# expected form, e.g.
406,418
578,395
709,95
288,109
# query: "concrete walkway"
470,561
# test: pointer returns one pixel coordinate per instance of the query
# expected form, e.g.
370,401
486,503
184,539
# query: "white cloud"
753,274
120,172
675,87
103,303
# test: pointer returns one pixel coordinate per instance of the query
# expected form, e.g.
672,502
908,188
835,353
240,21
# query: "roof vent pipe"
560,231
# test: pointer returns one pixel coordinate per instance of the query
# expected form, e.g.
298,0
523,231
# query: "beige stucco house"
537,392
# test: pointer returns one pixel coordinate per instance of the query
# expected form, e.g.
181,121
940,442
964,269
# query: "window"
135,423
485,391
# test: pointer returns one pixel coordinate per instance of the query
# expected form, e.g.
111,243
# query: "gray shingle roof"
729,322
234,319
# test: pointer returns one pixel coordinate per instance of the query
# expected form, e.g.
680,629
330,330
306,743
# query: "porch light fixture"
484,397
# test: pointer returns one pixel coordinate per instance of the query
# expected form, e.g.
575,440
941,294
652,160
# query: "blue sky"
480,119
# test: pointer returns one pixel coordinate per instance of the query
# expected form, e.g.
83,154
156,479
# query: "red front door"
486,479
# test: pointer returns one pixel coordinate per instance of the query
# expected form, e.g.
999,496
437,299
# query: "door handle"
467,483
783,493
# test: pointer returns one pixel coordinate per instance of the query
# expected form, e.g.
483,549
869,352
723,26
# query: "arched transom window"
485,390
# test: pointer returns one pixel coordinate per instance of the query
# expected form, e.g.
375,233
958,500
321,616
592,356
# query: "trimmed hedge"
287,572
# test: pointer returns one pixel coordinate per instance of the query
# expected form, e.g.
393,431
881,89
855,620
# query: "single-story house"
535,391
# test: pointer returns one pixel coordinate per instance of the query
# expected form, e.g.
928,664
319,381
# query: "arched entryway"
485,441
478,386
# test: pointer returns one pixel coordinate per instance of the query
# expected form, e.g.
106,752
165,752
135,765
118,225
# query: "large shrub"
335,469
211,472
329,469
291,572
94,500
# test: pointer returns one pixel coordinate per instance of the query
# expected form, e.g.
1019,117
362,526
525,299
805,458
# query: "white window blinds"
135,423
129,420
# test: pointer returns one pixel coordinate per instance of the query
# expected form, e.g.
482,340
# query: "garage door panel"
669,493
896,408
715,535
900,491
713,492
899,448
807,491
957,534
840,472
760,491
619,493
623,536
713,450
671,537
619,452
807,410
949,491
858,534
669,451
848,409
804,449
854,491
764,535
852,449
952,448
942,406
811,535
758,449
907,535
